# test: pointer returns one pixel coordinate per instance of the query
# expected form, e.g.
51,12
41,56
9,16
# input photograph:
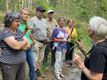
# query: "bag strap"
70,33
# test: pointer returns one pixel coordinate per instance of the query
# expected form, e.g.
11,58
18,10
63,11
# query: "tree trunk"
22,3
6,6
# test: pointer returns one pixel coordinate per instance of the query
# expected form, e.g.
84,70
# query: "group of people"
21,37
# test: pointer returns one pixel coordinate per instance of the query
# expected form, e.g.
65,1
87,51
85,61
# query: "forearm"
15,44
83,50
26,46
80,46
90,75
20,45
31,36
23,45
57,40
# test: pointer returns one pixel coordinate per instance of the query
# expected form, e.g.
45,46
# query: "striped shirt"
9,55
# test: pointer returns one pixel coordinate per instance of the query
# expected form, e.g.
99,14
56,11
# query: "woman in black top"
95,64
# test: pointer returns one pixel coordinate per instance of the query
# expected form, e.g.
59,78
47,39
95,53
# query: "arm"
58,39
48,33
25,30
90,75
31,36
10,41
25,47
31,26
55,37
82,49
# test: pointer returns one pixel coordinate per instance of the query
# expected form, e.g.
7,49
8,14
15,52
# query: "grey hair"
99,26
9,17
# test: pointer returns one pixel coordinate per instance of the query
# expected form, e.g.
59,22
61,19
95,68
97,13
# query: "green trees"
77,9
82,9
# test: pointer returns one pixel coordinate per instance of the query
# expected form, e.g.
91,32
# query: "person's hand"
45,41
82,49
27,28
25,39
70,37
50,37
78,61
33,42
27,45
80,45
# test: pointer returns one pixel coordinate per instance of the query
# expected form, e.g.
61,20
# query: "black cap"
41,9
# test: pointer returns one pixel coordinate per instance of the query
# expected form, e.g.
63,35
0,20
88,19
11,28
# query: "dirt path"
74,73
71,73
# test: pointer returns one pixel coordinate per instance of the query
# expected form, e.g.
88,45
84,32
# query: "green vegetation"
77,9
1,16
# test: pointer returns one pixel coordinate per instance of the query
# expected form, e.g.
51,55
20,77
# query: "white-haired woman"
95,65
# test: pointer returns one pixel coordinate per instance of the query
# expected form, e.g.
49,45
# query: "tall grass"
82,29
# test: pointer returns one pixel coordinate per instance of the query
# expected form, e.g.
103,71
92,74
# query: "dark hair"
69,21
9,17
60,19
40,8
